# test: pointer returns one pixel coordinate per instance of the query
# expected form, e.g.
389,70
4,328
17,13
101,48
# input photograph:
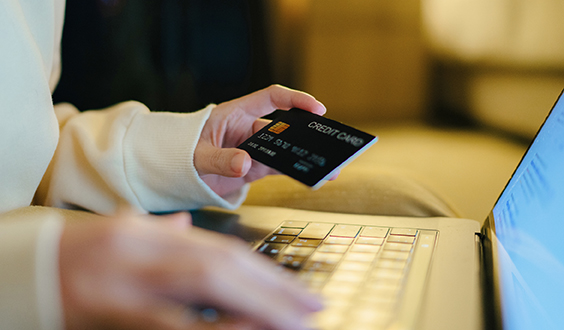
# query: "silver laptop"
380,272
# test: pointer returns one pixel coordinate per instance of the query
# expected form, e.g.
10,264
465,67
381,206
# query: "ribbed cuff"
47,277
30,290
159,163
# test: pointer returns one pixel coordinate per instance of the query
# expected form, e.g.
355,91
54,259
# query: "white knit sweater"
56,156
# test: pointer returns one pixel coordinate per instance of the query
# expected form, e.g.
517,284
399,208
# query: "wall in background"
365,59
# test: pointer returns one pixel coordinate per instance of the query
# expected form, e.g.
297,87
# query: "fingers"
227,162
271,298
265,101
130,273
285,98
229,276
225,274
263,296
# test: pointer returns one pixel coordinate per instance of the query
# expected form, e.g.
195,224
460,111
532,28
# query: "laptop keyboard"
371,277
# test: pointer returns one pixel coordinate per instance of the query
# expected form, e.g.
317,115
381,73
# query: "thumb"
229,162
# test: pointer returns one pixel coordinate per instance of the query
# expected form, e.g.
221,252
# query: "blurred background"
454,88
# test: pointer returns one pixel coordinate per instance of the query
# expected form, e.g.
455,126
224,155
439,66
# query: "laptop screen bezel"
491,286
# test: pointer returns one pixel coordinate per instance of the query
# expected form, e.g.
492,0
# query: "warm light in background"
399,60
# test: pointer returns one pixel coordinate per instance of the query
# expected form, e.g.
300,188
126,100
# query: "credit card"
307,147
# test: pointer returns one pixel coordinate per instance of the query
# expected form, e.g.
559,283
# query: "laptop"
382,272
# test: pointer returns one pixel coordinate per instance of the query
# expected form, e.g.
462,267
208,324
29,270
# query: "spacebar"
416,280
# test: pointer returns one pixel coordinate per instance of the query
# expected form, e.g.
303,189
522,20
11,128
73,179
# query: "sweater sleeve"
29,276
128,156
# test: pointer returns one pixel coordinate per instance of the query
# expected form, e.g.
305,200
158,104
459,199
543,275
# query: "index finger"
275,97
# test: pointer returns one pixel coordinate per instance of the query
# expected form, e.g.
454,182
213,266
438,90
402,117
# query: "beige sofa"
372,64
467,169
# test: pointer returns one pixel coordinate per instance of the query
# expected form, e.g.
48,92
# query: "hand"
133,273
222,166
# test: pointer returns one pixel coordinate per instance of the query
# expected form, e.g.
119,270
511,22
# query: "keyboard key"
339,240
294,224
292,262
347,276
370,240
360,257
386,297
393,264
368,297
413,288
316,286
388,274
319,266
404,231
271,249
395,255
316,230
280,239
395,282
354,266
339,290
332,248
335,302
306,242
327,319
398,247
314,278
380,306
345,231
365,248
371,317
326,257
288,231
298,251
374,232
355,325
384,312
401,239
427,239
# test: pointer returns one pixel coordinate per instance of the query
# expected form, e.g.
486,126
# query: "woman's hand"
134,273
222,166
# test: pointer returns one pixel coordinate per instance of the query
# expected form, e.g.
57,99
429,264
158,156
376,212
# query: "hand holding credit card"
307,147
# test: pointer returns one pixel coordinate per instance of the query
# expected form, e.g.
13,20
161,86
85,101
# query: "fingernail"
323,106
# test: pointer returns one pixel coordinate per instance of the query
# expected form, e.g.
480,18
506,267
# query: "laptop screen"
529,225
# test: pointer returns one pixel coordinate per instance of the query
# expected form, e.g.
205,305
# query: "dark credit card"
306,147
